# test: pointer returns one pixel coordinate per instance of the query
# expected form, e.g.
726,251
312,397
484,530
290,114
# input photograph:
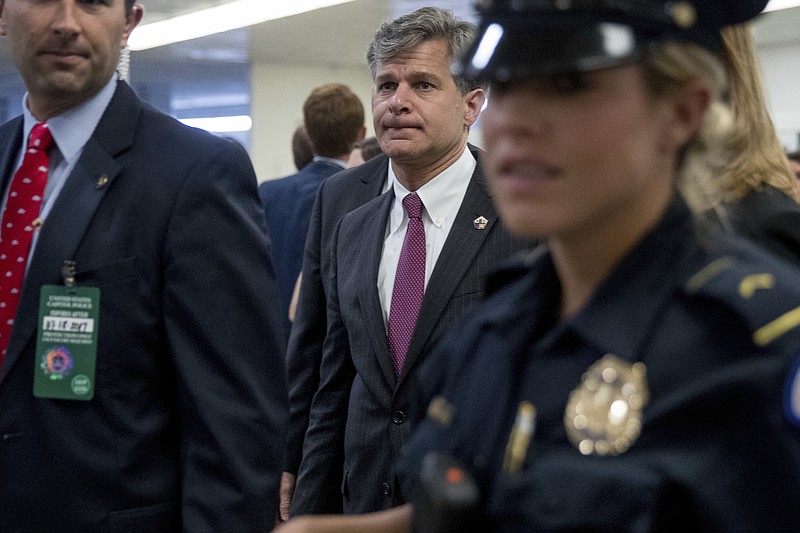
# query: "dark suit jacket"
770,219
337,196
361,406
287,206
183,431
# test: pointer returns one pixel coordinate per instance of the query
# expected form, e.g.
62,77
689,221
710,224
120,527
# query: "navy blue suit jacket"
185,428
769,218
287,205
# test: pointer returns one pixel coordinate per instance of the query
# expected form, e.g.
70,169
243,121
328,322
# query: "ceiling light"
775,5
230,16
221,124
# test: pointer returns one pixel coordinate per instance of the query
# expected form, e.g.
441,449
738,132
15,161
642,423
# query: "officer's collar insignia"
792,395
604,413
750,284
480,222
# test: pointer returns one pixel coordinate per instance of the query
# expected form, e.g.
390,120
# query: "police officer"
639,372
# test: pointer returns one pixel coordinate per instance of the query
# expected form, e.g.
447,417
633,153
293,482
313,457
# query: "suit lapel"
373,174
72,212
372,248
462,244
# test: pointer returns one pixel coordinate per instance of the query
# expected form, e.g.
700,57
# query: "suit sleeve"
224,338
319,479
305,343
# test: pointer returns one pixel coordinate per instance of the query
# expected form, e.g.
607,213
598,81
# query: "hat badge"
683,14
604,413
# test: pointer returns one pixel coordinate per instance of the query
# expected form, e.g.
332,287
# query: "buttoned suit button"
398,417
386,489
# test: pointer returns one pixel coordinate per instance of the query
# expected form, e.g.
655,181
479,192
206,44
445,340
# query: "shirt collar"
440,195
73,128
331,160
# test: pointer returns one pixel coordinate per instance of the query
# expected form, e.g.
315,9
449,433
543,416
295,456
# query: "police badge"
604,413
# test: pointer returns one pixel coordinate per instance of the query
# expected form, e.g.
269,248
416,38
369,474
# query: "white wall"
277,96
781,70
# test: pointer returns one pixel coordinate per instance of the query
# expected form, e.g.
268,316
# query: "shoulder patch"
791,398
760,290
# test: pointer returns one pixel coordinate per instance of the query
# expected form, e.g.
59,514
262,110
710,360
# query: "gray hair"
425,24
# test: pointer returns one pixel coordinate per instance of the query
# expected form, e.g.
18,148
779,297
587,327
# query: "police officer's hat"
527,38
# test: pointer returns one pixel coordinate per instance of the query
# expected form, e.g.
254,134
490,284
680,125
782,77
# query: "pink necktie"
16,232
409,284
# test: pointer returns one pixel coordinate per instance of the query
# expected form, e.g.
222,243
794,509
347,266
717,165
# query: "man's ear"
132,19
474,101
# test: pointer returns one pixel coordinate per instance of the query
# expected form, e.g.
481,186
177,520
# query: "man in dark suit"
334,120
422,115
152,234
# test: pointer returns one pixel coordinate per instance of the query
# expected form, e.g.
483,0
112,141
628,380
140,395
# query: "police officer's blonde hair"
737,149
704,157
758,157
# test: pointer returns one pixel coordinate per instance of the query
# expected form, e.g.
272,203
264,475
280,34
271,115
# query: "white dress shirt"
441,197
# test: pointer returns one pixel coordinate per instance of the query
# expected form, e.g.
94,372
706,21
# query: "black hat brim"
518,48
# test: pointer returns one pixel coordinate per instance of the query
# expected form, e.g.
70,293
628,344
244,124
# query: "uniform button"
398,417
385,488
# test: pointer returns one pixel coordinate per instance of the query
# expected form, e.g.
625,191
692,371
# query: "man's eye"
387,86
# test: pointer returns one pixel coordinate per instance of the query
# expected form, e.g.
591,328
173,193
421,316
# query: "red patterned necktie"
16,233
409,284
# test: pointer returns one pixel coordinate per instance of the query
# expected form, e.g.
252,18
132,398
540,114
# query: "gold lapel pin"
102,181
480,222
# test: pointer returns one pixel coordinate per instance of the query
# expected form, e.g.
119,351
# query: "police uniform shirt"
714,321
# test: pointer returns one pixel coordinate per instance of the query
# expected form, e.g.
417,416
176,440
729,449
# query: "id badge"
66,343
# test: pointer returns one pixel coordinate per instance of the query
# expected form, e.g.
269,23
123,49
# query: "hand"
286,492
297,525
394,520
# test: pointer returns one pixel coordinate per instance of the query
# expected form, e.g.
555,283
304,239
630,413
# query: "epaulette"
763,291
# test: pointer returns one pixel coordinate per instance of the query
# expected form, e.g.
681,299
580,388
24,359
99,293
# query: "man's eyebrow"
413,75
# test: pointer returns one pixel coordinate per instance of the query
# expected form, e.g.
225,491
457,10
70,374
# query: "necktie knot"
41,138
413,205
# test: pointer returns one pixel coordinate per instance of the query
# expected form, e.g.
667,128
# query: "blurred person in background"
364,151
302,152
794,167
333,119
758,195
